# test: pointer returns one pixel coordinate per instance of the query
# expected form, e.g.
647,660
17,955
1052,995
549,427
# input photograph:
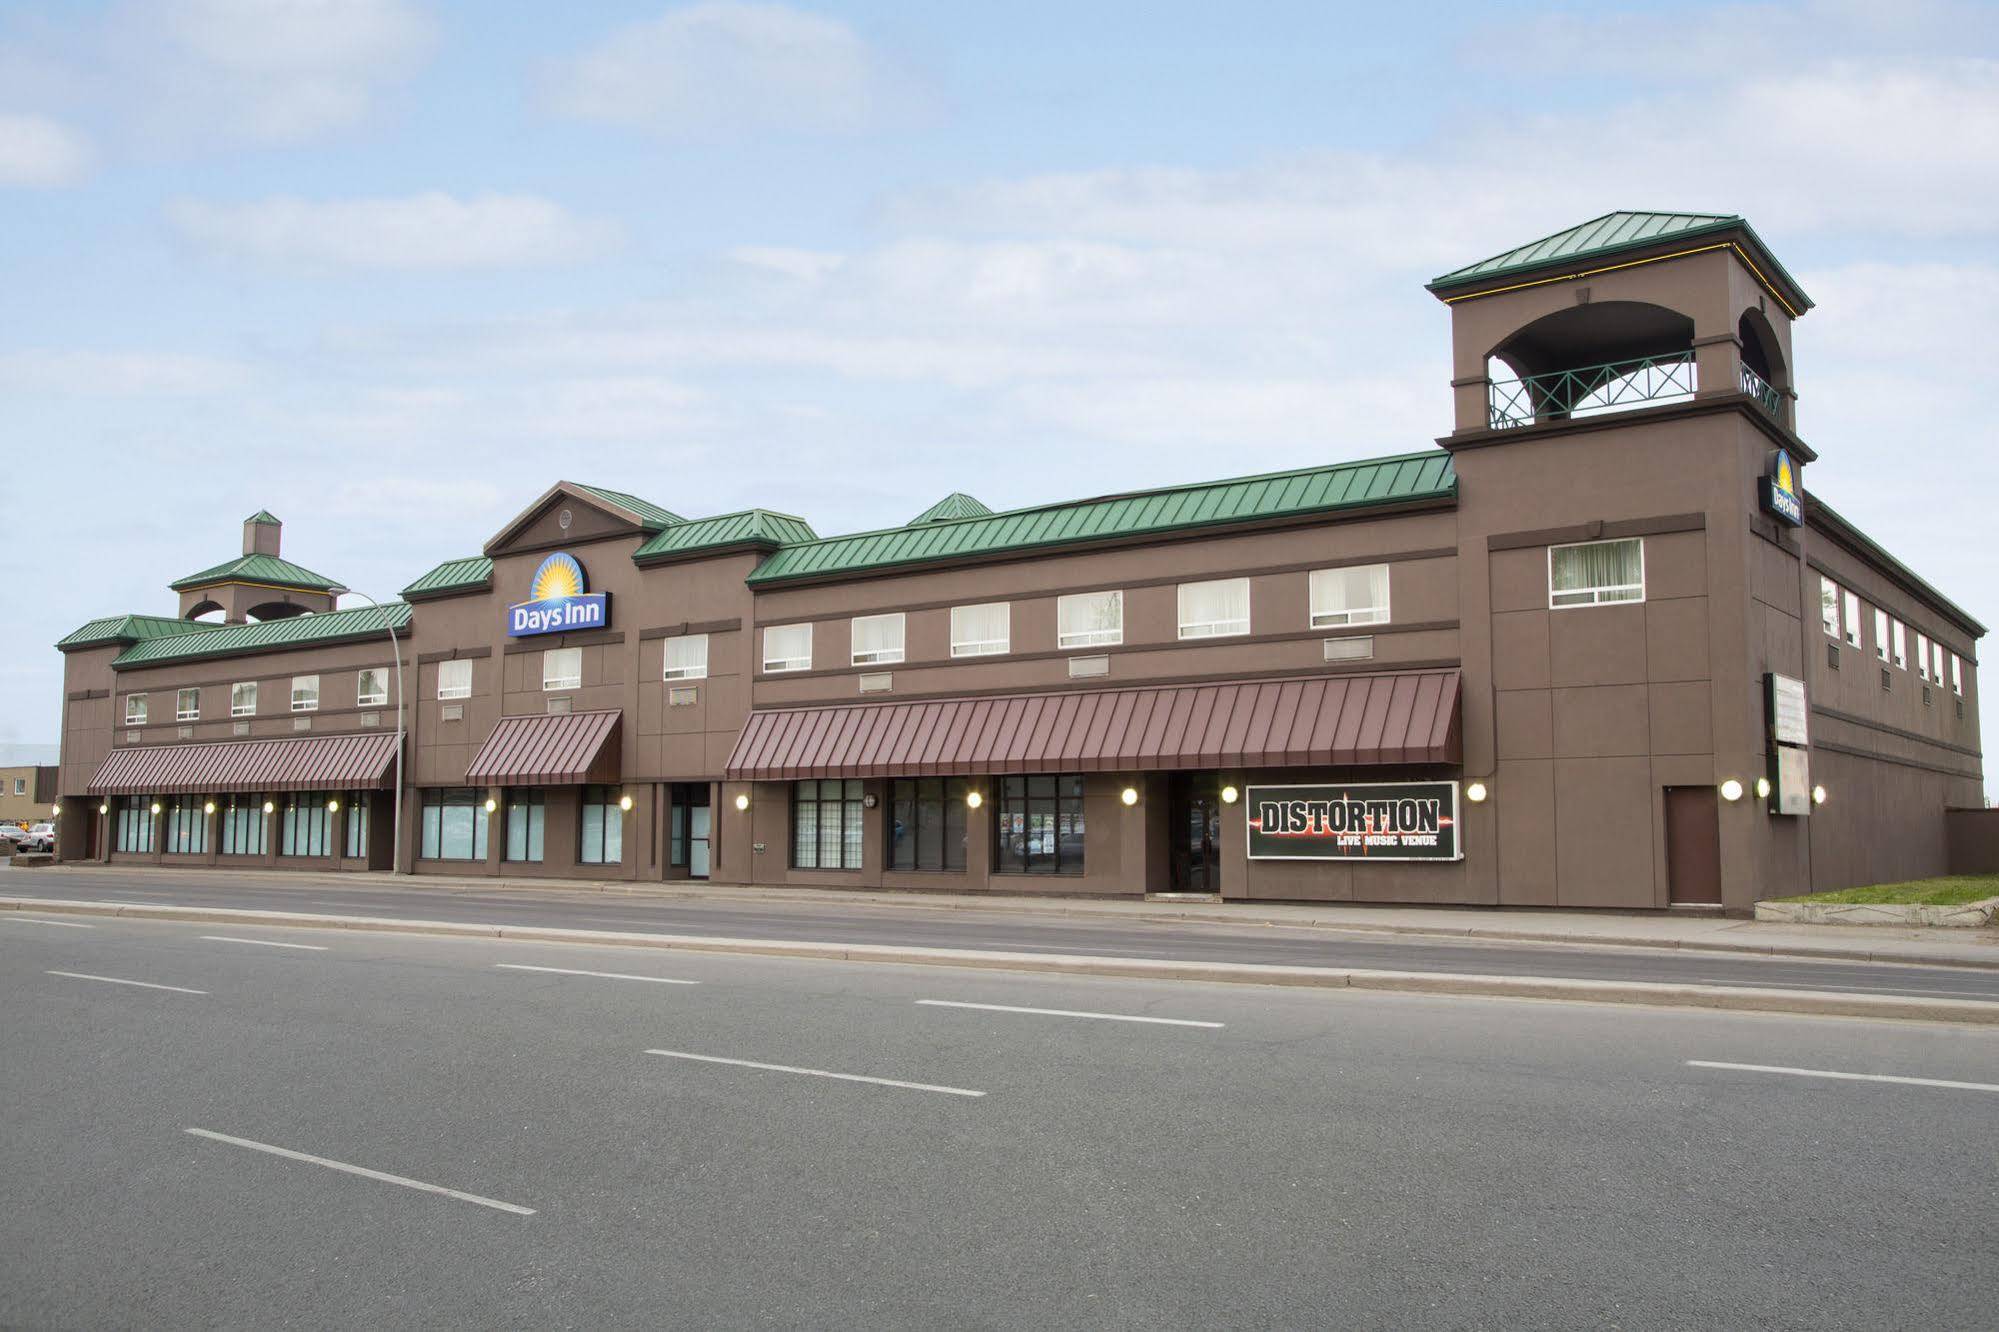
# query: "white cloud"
36,152
727,67
420,231
128,374
804,265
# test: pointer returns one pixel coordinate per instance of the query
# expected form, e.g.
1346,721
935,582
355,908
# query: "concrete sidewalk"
1593,929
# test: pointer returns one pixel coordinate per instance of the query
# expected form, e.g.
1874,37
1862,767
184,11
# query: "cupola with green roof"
259,584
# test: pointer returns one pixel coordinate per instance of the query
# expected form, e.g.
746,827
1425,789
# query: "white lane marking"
1068,1012
606,975
1863,989
818,1073
1845,1077
36,920
268,943
362,1171
113,980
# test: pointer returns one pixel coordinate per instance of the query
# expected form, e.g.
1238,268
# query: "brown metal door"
1693,845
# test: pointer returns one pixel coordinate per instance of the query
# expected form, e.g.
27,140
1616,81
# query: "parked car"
41,837
13,832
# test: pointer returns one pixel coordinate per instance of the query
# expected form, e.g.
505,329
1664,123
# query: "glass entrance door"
1194,805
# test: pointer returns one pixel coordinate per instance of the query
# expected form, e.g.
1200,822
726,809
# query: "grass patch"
1951,890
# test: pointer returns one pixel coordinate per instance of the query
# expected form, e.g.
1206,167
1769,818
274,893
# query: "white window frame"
454,690
303,685
1330,618
1937,655
698,646
1214,628
1923,656
880,656
1596,594
1957,675
1881,623
1854,616
187,714
554,681
1070,640
782,665
1901,633
236,708
135,709
364,699
1828,606
982,647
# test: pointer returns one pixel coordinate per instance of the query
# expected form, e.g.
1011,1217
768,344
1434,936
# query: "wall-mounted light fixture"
1476,793
1762,788
55,809
625,803
870,800
491,804
1129,795
269,807
973,800
333,806
156,807
104,808
208,808
1731,789
1229,795
743,800
1818,795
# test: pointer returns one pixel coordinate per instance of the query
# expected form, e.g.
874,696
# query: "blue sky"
355,260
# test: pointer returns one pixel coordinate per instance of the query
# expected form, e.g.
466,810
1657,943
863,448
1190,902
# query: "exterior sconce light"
743,801
869,801
104,808
1762,788
625,803
269,807
1229,794
491,804
55,809
1731,790
1476,793
156,807
1129,795
1818,795
333,806
973,800
208,808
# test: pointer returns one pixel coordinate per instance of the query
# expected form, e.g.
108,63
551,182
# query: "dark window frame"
926,827
1060,799
846,799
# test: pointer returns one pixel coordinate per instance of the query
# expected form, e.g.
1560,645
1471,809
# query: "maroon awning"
1323,721
553,750
300,763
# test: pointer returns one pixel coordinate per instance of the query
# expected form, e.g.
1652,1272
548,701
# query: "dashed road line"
818,1073
363,1171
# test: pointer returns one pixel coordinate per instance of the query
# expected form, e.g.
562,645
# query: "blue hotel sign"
1779,490
558,602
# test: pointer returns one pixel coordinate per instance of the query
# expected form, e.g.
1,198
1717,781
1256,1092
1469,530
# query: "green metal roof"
957,504
268,635
129,629
257,569
1599,235
1406,478
654,516
466,575
750,527
265,517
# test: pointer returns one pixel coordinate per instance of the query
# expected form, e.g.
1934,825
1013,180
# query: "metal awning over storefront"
303,763
561,749
1325,721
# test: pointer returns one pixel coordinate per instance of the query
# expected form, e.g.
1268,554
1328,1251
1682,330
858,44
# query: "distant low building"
27,793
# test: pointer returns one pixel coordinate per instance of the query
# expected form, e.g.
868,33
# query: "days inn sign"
1778,490
558,601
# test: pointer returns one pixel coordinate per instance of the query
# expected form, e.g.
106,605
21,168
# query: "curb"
1246,914
1645,993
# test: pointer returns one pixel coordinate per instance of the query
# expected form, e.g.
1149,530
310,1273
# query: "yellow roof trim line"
1740,253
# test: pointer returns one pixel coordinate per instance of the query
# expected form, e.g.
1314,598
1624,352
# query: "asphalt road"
843,922
1314,1159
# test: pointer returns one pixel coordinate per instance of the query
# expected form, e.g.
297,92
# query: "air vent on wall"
371,719
1350,649
241,728
301,723
451,712
1083,667
877,682
559,705
683,696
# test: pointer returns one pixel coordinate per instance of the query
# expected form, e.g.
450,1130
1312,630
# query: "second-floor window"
454,679
305,693
1354,595
877,640
1923,656
1214,609
187,705
135,709
787,647
980,631
1089,619
1901,632
1853,618
1829,606
562,668
243,699
1881,634
1957,675
687,657
371,688
1596,573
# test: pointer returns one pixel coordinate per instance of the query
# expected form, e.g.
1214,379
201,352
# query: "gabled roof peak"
957,504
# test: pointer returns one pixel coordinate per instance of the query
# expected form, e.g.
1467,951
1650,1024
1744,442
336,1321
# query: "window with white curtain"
562,668
371,687
1829,606
1595,573
1853,618
686,657
187,705
305,693
982,630
1923,656
877,639
1901,643
1357,594
135,709
788,647
1089,619
243,699
454,679
1881,634
1936,661
1957,675
1214,609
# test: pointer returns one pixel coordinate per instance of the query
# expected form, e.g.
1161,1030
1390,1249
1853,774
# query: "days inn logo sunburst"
559,601
1779,490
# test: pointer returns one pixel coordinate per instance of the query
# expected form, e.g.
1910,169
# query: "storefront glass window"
603,827
454,824
243,827
826,824
526,817
926,826
306,825
1038,827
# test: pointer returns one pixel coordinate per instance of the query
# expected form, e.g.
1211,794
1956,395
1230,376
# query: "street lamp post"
396,848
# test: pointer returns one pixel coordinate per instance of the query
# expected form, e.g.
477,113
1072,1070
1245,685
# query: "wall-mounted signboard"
559,601
1354,821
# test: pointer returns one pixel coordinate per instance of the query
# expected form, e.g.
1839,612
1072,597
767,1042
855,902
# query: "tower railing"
1589,389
